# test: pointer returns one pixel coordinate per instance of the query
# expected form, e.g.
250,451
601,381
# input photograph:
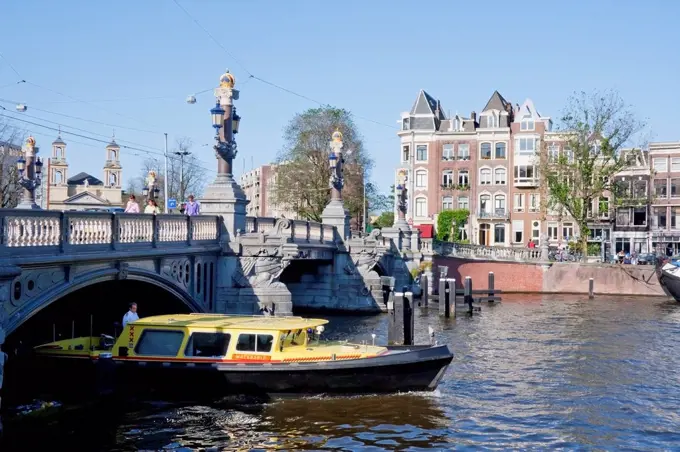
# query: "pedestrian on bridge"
132,206
131,315
192,207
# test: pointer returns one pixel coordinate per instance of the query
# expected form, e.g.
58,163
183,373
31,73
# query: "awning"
426,231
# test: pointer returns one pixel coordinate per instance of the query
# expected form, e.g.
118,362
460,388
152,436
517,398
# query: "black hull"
420,369
669,283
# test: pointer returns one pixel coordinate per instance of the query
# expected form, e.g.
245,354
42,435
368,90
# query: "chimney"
473,116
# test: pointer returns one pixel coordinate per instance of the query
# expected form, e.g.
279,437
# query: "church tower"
113,174
57,189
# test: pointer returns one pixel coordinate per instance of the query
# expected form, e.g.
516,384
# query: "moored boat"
222,354
668,273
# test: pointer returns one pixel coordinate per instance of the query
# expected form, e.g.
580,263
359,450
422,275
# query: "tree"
10,148
594,128
303,172
385,220
379,202
191,175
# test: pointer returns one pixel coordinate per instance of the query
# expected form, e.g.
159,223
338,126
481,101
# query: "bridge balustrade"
40,229
299,231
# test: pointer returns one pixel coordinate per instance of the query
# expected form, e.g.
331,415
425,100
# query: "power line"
253,76
10,65
123,146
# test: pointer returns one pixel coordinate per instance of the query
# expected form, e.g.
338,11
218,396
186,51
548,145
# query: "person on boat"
131,315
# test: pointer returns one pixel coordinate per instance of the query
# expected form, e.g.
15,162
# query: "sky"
129,65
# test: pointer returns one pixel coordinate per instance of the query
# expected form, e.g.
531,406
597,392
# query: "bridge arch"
31,307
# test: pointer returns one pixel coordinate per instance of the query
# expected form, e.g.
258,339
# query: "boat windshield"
293,338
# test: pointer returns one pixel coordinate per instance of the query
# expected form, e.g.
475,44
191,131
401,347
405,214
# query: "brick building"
665,205
259,186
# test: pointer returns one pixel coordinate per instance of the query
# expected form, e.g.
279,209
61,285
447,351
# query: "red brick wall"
508,276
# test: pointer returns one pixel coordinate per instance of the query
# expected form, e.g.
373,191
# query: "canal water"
530,373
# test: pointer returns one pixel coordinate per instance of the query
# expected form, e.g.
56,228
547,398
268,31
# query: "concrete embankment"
559,277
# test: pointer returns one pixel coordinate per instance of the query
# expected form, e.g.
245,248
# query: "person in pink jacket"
132,206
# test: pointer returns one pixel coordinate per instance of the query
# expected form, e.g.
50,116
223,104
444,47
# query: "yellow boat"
250,354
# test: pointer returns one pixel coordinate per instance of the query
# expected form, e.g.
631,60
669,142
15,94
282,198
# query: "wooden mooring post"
424,283
447,297
591,288
467,294
401,328
490,287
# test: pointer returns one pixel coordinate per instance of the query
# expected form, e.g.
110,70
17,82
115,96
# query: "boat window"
255,343
207,345
159,343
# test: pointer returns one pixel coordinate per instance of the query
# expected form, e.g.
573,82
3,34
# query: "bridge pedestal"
226,198
336,215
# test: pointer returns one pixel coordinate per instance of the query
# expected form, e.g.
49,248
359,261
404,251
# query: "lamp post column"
30,171
335,212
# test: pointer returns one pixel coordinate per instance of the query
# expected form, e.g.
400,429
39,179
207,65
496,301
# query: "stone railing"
296,230
39,229
481,252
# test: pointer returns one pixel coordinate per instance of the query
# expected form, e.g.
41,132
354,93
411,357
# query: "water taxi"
251,354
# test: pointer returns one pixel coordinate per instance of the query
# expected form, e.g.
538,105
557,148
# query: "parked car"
646,259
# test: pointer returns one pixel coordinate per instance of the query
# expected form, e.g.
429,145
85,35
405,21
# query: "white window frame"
467,202
466,173
518,206
496,177
407,148
534,204
420,207
483,180
490,150
517,226
661,165
452,153
675,164
489,206
606,213
427,152
463,147
553,153
567,230
491,121
526,141
447,200
553,230
451,178
505,150
496,198
419,172
527,123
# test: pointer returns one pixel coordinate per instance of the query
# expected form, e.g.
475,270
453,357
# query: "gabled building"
665,213
632,196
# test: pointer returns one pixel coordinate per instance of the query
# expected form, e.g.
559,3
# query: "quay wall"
559,277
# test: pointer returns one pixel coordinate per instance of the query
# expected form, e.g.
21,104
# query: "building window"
485,176
499,234
207,345
661,188
623,216
603,207
567,230
484,203
485,151
499,204
447,178
405,124
525,174
661,165
491,120
159,343
518,204
421,178
462,230
675,217
463,151
447,152
447,203
640,216
463,202
640,189
535,231
552,231
421,153
527,124
463,177
675,164
518,231
499,176
675,188
500,151
659,217
526,146
569,155
421,207
553,153
405,154
534,202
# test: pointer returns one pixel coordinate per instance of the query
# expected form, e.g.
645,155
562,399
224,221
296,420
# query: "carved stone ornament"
279,226
123,268
260,271
365,260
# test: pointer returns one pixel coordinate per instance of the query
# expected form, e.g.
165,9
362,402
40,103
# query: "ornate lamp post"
30,173
226,123
335,212
151,191
401,193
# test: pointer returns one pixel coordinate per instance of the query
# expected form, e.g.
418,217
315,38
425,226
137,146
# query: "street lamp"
333,160
30,172
217,114
226,123
235,121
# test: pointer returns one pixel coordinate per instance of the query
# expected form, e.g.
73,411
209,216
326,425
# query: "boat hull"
420,369
669,282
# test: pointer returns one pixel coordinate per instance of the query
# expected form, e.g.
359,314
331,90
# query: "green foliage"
451,220
594,249
594,130
385,220
379,202
302,182
415,272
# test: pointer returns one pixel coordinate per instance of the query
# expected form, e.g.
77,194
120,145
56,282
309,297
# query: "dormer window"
527,123
456,124
406,124
491,121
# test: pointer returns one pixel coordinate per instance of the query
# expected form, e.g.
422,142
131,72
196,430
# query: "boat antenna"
373,337
73,329
90,333
54,332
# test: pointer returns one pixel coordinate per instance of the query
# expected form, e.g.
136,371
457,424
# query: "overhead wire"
253,76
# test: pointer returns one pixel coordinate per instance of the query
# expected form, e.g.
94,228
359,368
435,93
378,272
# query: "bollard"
491,287
444,297
424,288
467,294
395,331
409,319
452,295
591,288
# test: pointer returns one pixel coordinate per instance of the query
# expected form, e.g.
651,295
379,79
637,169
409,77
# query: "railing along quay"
39,230
507,253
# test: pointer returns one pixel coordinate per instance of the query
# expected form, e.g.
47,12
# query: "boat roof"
255,322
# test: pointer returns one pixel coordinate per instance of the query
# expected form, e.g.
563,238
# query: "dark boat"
669,277
220,354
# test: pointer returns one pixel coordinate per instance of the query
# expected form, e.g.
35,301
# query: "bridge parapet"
292,230
48,232
507,253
